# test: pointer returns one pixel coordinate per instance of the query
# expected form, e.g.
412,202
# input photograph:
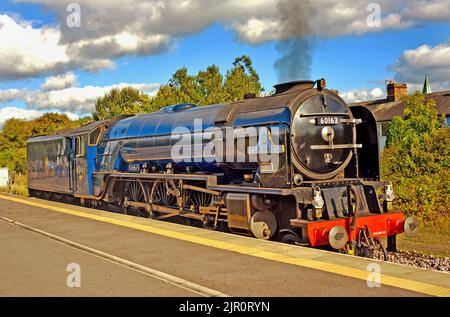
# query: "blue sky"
354,63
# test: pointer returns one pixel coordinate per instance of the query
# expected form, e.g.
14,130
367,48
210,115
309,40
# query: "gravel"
413,258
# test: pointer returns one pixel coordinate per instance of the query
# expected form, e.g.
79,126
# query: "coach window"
80,145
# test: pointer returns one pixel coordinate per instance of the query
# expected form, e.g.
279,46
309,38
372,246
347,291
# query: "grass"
18,187
428,241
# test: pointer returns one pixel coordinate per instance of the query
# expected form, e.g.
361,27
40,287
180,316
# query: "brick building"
392,105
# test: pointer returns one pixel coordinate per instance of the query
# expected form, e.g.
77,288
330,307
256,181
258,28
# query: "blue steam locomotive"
298,166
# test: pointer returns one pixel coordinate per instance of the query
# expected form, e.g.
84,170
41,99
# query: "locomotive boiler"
298,166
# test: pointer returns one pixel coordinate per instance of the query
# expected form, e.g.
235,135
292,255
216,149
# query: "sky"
60,56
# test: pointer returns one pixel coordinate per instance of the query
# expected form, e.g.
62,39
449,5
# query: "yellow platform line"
415,286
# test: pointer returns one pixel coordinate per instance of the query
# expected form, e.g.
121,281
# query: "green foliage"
417,161
16,132
241,79
20,185
205,88
209,86
127,100
83,121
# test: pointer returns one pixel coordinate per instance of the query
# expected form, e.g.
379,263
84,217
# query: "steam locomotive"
298,166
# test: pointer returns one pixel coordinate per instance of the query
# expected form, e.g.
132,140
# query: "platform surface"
32,264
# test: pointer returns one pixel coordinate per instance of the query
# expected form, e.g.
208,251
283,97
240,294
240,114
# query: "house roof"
384,110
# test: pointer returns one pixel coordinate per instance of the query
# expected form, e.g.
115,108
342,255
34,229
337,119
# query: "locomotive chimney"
249,95
396,91
293,86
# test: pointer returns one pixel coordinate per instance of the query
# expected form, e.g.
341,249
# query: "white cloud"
27,114
9,94
111,29
59,82
58,93
77,99
26,51
413,65
259,30
18,113
433,10
329,18
364,94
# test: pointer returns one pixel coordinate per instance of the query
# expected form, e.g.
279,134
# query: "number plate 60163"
327,120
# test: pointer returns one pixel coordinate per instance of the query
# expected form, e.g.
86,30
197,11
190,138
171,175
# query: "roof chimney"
396,91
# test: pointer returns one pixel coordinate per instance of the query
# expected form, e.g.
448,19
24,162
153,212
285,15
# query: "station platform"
222,264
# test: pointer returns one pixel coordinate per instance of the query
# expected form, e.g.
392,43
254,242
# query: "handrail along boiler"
325,189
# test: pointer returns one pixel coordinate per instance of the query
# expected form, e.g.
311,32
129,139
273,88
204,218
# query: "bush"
20,185
417,161
16,132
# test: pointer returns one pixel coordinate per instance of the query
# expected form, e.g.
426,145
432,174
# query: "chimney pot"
396,91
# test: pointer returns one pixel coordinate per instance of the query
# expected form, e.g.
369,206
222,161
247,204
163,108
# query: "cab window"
94,136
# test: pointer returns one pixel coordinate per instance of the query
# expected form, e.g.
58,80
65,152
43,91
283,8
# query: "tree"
417,161
127,100
84,120
16,132
50,123
209,86
181,88
241,79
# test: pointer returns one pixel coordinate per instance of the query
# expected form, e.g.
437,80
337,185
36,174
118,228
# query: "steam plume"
296,50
